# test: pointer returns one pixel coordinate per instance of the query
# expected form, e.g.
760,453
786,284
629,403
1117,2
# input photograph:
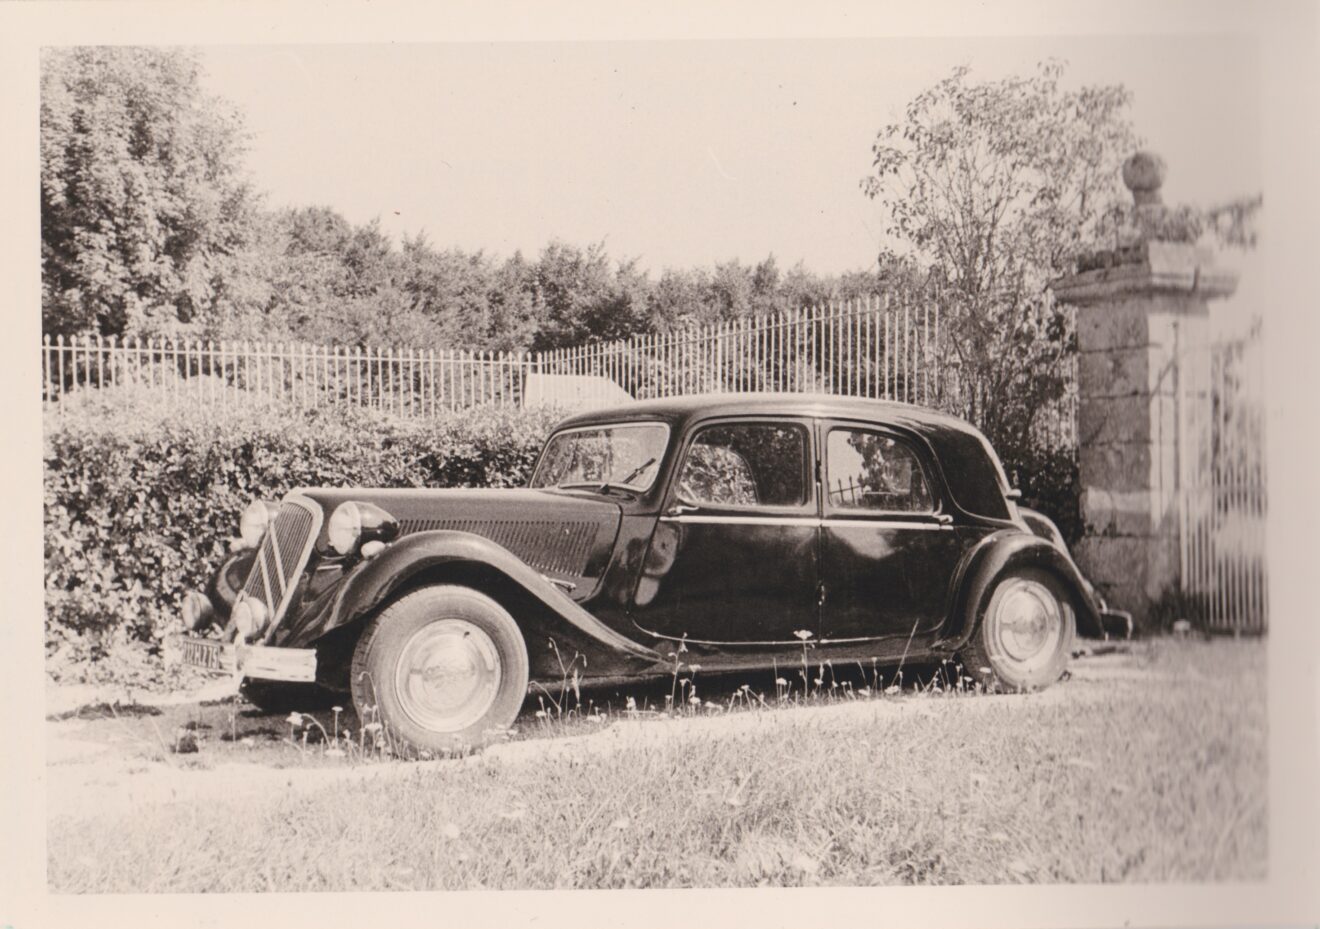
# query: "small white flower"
781,682
694,700
802,634
295,719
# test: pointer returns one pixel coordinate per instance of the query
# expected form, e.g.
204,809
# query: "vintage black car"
737,525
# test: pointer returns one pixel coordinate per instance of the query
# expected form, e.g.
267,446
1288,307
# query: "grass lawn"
1141,767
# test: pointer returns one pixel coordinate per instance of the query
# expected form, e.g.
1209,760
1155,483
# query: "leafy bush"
141,501
1050,483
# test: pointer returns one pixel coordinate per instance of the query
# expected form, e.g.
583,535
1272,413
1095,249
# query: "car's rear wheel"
1026,634
442,668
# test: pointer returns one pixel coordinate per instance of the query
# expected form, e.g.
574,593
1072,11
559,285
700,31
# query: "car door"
887,550
733,558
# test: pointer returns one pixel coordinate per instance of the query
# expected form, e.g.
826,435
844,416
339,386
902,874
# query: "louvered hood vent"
559,535
561,548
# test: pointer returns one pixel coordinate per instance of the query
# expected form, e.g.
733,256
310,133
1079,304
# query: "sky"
678,153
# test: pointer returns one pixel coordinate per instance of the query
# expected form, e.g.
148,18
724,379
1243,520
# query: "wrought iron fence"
892,348
408,381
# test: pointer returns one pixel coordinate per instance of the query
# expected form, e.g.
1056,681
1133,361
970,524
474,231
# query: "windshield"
624,455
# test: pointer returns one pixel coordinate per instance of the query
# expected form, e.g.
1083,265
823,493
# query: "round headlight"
249,618
256,519
197,611
345,528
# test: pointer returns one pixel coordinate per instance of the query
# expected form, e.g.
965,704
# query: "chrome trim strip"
794,643
884,524
279,566
746,520
265,571
801,521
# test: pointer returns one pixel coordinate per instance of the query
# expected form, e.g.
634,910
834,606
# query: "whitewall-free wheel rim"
1026,626
448,675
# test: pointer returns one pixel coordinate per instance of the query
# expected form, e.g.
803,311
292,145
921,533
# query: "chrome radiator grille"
281,557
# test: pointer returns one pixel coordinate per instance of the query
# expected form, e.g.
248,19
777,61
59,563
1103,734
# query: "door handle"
679,509
944,519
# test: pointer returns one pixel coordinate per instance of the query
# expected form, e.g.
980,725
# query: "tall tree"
143,201
992,189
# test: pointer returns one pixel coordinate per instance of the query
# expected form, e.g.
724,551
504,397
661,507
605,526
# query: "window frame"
807,508
831,511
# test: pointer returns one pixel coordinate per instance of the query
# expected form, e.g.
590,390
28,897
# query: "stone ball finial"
1143,173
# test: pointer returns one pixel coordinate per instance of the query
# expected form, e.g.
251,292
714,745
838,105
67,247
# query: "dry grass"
1145,768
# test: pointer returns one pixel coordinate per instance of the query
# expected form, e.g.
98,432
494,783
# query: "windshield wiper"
636,472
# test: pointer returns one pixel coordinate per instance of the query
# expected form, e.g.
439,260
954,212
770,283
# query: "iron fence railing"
887,348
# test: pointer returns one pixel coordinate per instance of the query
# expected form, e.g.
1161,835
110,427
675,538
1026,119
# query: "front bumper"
256,661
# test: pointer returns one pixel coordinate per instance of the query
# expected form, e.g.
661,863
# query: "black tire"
1005,653
286,696
398,675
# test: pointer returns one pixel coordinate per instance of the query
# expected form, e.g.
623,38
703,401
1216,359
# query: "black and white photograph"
838,459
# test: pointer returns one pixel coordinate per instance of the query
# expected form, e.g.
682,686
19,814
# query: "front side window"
746,464
870,471
624,455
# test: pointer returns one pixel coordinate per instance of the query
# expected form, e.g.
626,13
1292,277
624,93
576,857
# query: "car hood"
565,537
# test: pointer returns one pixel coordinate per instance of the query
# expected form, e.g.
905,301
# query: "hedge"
141,504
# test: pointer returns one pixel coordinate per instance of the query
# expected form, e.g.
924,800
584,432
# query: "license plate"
200,653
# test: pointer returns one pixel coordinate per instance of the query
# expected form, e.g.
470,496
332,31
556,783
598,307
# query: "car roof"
679,410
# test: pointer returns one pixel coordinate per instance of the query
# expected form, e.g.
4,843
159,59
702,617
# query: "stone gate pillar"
1142,336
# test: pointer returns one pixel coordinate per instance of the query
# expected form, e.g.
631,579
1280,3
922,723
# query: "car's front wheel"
442,668
1026,634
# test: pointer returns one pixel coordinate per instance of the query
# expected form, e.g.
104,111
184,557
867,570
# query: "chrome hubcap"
448,675
1028,624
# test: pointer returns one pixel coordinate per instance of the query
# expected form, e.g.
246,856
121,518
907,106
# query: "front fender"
1004,551
462,555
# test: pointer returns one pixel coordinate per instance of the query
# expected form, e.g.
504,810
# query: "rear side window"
870,471
746,465
973,473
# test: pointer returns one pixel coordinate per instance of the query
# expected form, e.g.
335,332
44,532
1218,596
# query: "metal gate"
1221,478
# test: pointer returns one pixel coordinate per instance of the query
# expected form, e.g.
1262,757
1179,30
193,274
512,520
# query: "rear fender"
542,611
1004,551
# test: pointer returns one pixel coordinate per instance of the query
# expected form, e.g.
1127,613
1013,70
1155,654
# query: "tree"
992,189
143,199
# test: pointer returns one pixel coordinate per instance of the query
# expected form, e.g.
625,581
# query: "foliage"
992,189
149,229
140,507
143,201
1050,484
